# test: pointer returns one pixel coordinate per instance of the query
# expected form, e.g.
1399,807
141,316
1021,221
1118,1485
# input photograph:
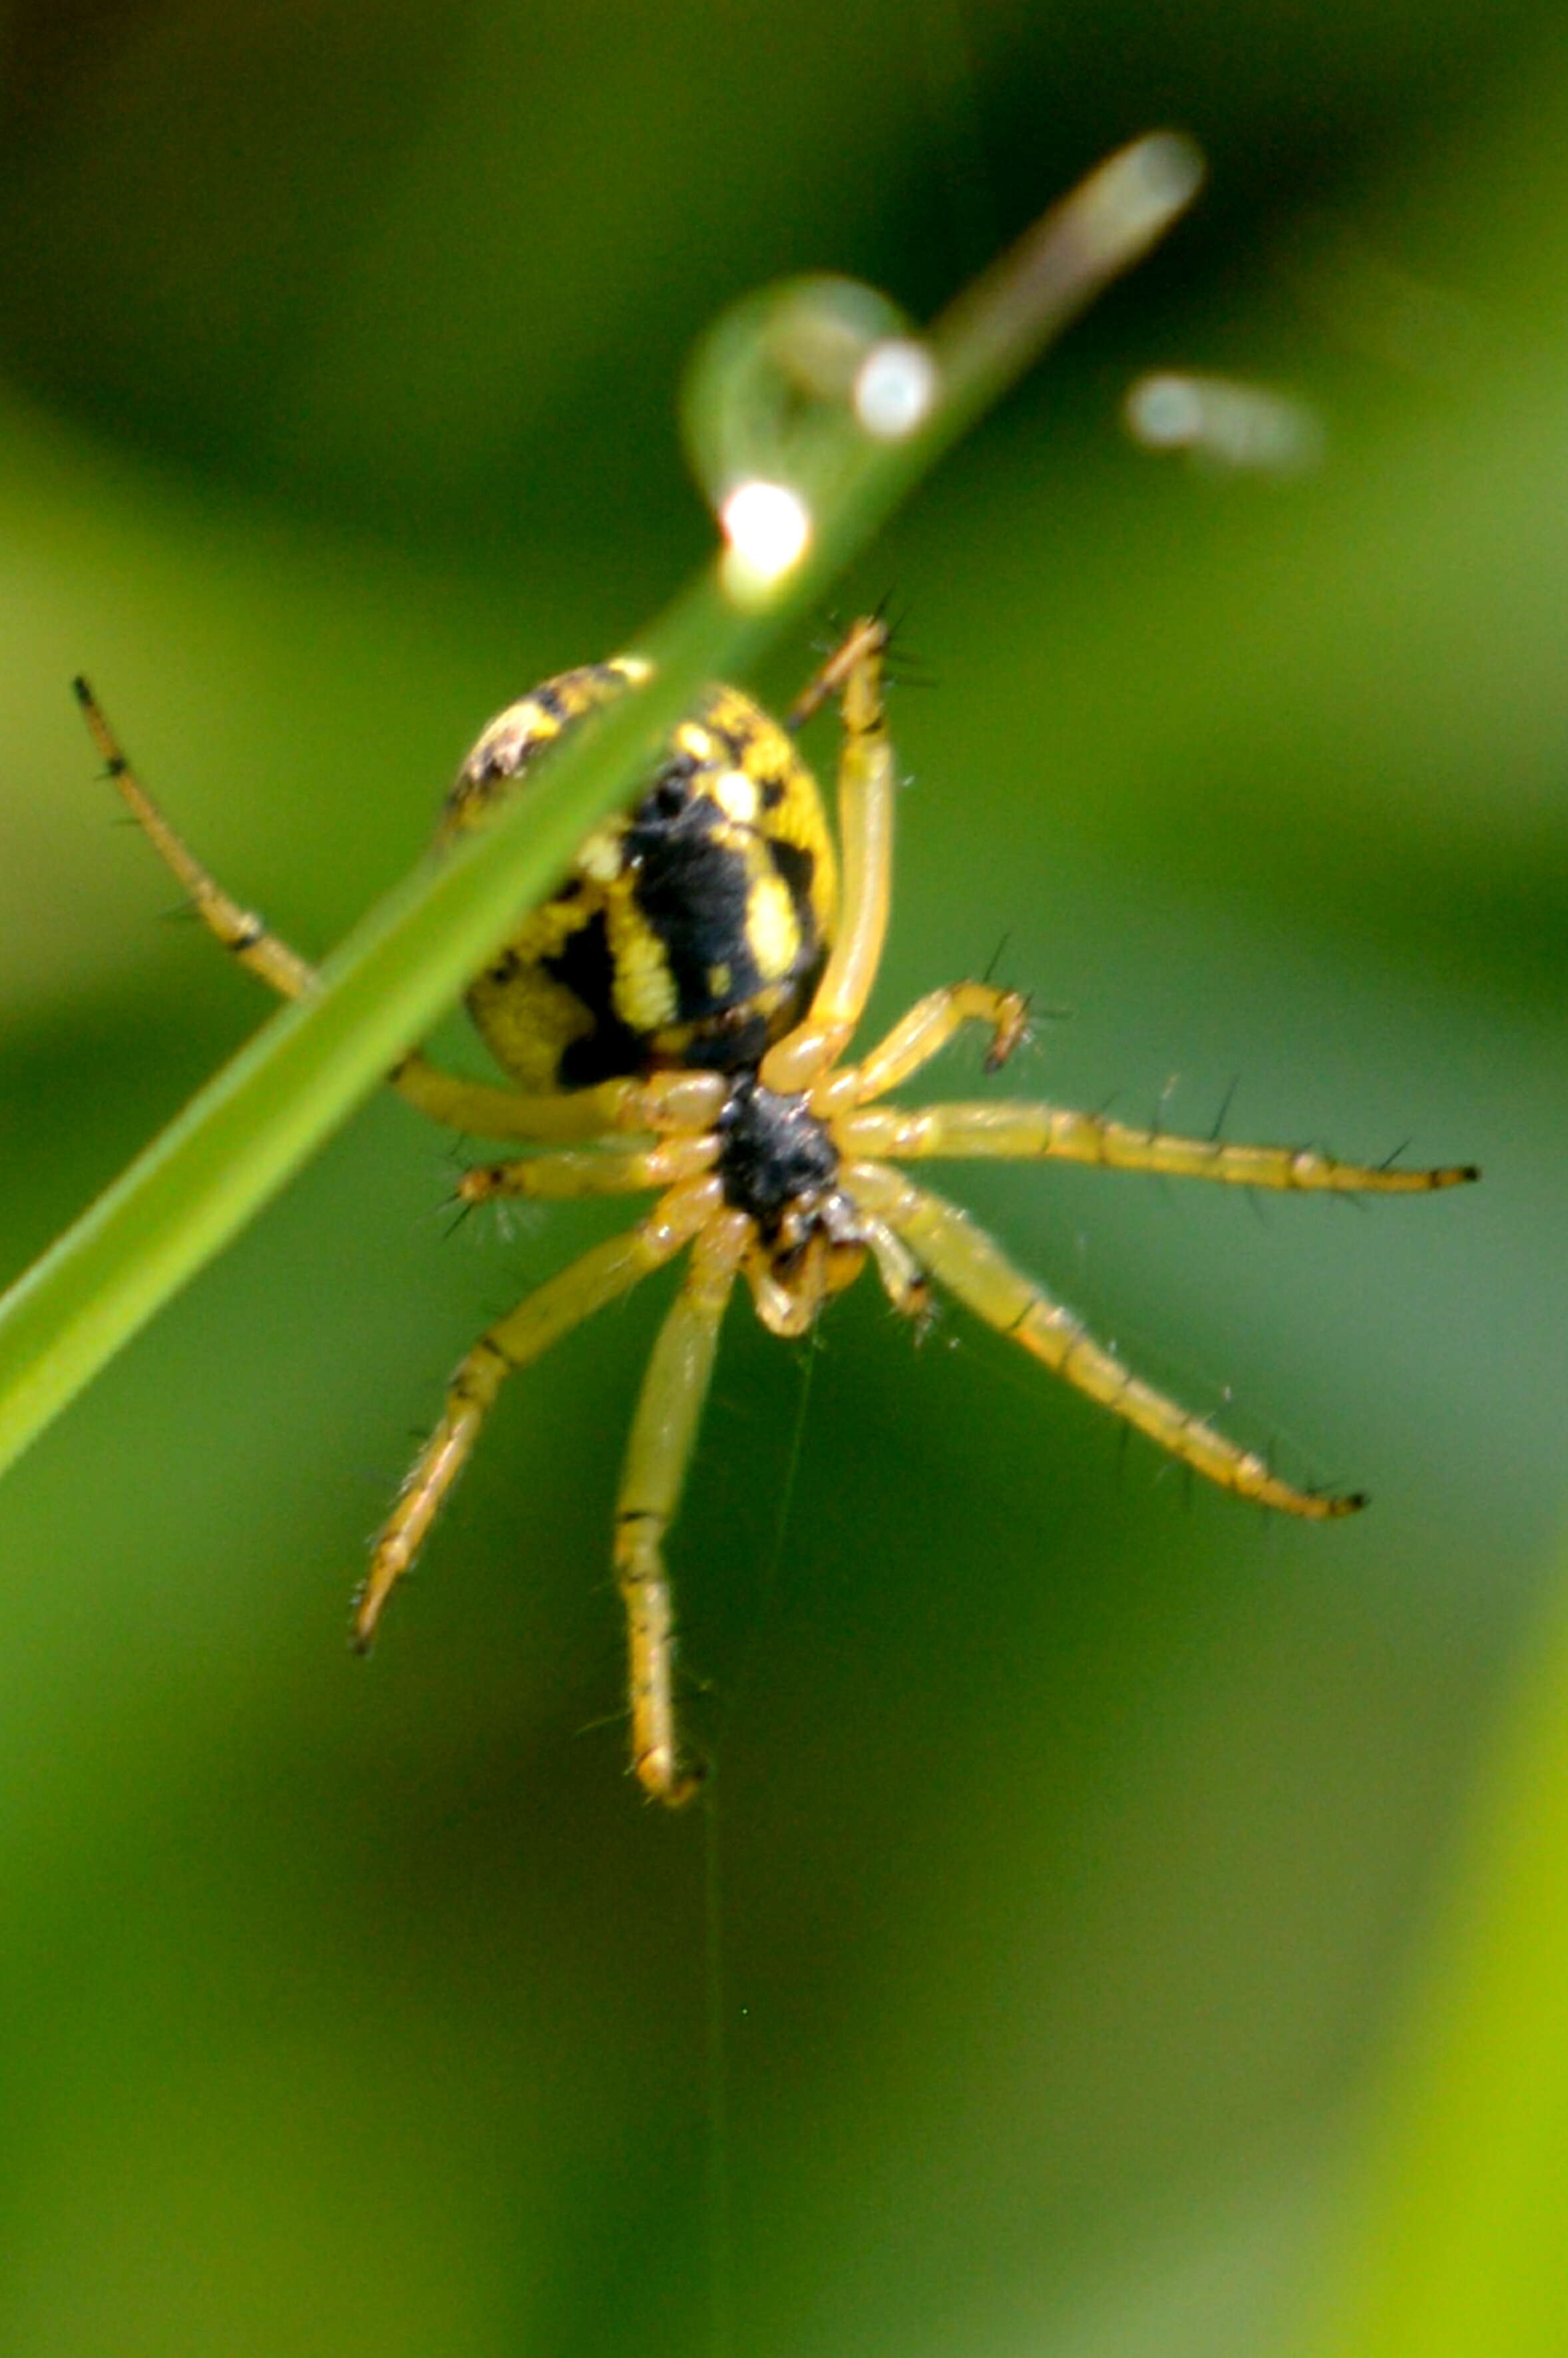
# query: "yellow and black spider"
674,1019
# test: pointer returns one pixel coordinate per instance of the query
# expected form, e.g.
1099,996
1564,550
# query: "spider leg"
1056,1133
904,1280
476,1106
542,1319
612,1171
676,1101
663,1433
242,934
963,1259
925,1031
865,830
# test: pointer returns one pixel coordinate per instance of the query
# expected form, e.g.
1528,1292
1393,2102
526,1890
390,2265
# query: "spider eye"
671,790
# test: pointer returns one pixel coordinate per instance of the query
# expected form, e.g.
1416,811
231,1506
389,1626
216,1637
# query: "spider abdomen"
693,929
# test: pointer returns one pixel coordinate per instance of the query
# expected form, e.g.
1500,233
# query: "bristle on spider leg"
995,959
1352,1197
1226,1101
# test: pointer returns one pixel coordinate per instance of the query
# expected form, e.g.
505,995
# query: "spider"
673,1019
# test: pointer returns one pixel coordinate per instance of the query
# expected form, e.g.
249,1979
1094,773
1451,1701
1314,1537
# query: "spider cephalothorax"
780,1167
673,1021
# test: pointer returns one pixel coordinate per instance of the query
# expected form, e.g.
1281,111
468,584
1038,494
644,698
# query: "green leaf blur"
1114,1958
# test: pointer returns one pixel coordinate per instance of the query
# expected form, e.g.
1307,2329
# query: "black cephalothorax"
776,1154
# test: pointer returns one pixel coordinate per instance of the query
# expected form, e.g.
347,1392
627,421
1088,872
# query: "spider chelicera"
673,1021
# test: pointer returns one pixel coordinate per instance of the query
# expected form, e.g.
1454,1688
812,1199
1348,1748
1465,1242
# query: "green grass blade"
1457,2246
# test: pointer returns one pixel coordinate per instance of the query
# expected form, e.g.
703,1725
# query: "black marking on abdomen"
612,1049
694,891
797,866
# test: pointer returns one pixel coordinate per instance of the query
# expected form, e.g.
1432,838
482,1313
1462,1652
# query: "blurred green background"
1080,1841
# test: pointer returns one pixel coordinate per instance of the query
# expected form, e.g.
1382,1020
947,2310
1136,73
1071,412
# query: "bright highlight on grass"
768,528
1226,425
895,388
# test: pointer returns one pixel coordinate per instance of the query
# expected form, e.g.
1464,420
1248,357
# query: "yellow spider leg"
964,1260
678,1101
904,1280
552,1310
682,1100
1056,1133
594,1171
865,830
242,934
923,1034
657,1454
